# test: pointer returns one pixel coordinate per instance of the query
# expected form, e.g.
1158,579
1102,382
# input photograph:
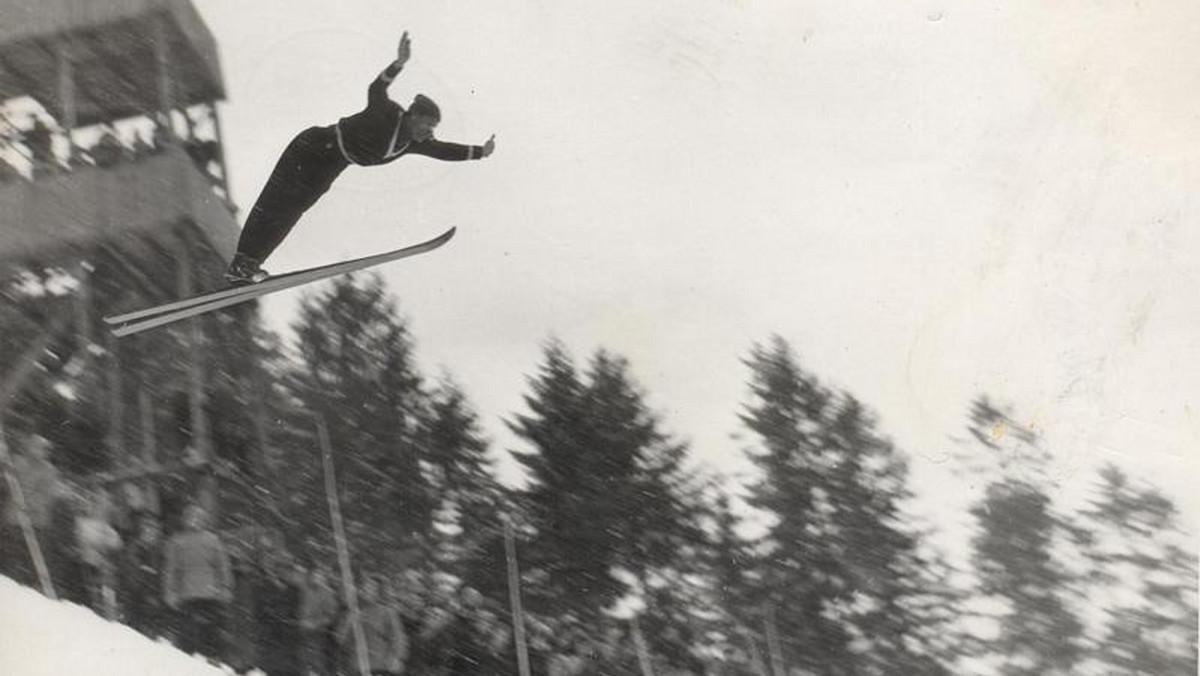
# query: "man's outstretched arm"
453,152
377,92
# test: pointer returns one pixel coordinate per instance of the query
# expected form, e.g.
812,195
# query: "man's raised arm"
377,92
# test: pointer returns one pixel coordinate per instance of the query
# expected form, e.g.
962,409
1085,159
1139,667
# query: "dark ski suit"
378,134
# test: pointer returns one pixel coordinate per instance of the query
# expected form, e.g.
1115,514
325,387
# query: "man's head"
423,117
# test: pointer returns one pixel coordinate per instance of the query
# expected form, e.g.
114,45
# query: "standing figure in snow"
198,583
378,134
98,543
41,488
318,613
383,631
140,578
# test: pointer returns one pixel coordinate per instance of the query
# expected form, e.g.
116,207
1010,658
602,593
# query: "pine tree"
1144,579
842,567
569,557
471,502
901,605
657,501
607,490
786,411
1015,554
357,369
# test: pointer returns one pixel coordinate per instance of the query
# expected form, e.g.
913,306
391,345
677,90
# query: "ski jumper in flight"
376,135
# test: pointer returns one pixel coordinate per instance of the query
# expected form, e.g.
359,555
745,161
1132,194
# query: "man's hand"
404,50
489,146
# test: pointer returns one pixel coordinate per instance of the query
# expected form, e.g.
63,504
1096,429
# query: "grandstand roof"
111,43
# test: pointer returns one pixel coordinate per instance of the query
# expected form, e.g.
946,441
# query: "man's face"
421,127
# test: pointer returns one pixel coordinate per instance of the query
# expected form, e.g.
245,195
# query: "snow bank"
40,637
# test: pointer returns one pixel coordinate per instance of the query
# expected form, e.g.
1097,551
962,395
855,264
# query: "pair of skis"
131,323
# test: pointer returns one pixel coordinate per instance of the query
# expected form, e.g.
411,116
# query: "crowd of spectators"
260,607
46,151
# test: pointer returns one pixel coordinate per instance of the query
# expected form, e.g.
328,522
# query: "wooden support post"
773,647
18,499
14,380
149,444
514,598
216,117
343,548
260,383
201,440
66,97
116,441
162,63
82,304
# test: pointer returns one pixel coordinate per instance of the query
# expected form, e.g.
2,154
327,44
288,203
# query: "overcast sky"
928,200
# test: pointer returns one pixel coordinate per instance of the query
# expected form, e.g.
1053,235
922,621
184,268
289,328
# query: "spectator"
108,151
541,645
570,658
140,578
614,655
98,543
467,641
318,612
141,147
240,624
387,645
163,136
62,550
277,614
40,141
40,486
493,635
204,154
429,653
198,583
81,158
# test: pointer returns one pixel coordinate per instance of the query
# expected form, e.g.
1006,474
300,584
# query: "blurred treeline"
818,565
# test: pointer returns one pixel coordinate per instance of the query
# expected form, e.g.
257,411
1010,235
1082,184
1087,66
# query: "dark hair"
423,105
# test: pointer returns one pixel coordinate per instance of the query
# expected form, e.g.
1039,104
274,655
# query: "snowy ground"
39,637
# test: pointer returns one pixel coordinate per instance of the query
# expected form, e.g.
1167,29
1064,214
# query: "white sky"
929,200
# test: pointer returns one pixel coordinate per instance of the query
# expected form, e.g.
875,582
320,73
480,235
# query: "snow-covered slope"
39,637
